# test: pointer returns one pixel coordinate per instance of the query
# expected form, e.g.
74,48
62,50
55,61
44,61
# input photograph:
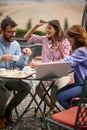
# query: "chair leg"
44,109
16,112
15,107
47,124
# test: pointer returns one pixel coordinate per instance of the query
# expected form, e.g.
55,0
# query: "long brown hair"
79,34
59,31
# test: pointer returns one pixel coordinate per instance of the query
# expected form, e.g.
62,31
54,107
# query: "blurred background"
28,12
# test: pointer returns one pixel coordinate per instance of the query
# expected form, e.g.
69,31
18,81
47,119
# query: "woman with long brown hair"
55,46
78,39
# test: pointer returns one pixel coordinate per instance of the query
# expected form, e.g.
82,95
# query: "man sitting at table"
8,48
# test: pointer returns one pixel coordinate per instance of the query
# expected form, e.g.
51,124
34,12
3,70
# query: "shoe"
51,111
55,110
9,120
2,123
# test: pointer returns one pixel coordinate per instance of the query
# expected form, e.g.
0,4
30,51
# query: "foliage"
1,13
21,33
65,24
40,33
29,24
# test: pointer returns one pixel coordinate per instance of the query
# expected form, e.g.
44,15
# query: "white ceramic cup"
15,57
26,69
2,71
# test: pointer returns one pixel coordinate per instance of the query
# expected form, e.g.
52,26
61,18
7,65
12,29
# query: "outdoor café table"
16,74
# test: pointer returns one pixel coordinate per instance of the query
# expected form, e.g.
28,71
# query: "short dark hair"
8,21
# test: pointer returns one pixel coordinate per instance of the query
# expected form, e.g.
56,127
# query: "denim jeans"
65,94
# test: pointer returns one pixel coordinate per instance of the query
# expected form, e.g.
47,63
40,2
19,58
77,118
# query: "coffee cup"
15,57
2,71
26,69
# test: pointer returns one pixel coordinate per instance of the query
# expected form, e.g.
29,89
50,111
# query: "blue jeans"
65,94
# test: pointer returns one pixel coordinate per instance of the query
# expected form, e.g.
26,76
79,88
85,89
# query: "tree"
65,24
29,24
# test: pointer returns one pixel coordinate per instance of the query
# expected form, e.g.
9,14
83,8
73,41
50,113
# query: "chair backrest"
81,118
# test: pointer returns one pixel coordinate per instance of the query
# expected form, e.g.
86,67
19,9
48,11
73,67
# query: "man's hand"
27,51
6,58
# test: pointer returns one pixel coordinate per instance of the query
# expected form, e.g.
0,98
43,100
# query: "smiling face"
50,31
9,33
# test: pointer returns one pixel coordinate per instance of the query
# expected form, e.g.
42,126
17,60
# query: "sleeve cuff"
1,59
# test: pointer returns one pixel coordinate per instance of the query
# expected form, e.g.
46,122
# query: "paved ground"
29,121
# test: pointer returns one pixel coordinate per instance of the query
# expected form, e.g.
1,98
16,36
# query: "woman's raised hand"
41,22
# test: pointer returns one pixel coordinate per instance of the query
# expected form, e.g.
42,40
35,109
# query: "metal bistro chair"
74,118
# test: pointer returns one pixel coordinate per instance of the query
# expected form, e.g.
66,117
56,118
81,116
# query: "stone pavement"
28,121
